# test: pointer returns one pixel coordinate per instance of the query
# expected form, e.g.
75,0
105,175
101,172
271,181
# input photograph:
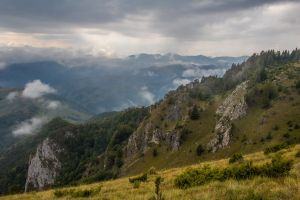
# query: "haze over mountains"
100,84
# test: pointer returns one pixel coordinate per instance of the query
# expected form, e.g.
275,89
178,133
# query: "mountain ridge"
169,132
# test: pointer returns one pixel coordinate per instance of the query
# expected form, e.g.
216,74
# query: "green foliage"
237,157
101,136
195,113
262,75
261,95
136,184
276,148
194,177
199,94
142,178
269,136
184,134
254,68
200,150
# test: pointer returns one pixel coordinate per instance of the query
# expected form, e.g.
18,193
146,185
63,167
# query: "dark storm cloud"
61,15
131,26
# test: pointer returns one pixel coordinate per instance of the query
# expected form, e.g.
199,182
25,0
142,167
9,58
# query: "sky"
125,27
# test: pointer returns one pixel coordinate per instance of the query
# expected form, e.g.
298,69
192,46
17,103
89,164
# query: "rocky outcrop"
140,140
43,167
233,107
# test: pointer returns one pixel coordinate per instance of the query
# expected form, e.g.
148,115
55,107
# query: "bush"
195,177
276,148
261,95
269,136
236,157
200,150
142,178
194,114
184,134
136,184
152,171
286,135
154,153
277,168
298,154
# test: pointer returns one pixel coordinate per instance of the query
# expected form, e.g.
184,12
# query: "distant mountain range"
113,84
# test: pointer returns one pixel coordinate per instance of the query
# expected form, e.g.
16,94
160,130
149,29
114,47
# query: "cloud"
177,82
211,27
199,73
36,89
29,127
12,96
147,95
52,105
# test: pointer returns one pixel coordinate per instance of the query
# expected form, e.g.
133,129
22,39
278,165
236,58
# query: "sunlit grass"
256,188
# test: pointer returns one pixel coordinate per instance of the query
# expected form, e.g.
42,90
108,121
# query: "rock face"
140,140
43,166
233,107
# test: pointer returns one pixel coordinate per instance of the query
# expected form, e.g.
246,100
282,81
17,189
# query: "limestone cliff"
43,167
233,107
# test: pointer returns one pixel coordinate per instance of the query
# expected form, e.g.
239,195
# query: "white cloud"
52,105
199,73
12,96
30,126
177,82
147,95
36,89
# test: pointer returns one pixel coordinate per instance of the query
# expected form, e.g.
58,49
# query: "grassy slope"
247,133
257,188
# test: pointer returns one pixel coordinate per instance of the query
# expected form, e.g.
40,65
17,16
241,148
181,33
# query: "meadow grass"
255,188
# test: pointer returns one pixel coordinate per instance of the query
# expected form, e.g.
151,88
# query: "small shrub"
152,171
142,178
275,128
244,138
194,114
237,157
269,136
276,148
184,134
200,150
154,153
277,168
136,184
286,135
